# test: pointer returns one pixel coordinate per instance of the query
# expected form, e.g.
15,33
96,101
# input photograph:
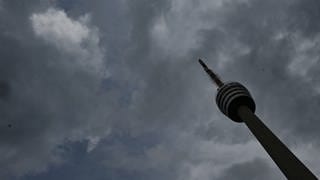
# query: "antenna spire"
212,75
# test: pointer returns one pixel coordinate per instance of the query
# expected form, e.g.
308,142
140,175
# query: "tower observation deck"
235,101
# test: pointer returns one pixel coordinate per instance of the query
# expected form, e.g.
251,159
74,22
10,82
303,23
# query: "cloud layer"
106,89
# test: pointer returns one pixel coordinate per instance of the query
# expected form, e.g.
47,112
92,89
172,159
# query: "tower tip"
212,75
202,64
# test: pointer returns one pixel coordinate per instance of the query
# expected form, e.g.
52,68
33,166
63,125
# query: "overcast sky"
111,89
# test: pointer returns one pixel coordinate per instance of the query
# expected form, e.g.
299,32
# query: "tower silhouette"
235,101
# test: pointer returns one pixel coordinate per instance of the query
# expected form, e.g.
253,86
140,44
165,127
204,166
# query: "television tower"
235,101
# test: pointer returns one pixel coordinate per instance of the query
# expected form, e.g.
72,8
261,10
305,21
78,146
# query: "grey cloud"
251,171
156,90
48,102
247,36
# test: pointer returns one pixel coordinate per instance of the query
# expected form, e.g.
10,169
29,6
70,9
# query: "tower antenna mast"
214,77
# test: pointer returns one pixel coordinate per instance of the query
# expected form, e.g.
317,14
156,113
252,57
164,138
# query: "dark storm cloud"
251,171
49,101
289,97
259,46
153,109
290,102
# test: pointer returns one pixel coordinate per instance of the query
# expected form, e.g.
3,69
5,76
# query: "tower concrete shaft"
235,101
288,163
